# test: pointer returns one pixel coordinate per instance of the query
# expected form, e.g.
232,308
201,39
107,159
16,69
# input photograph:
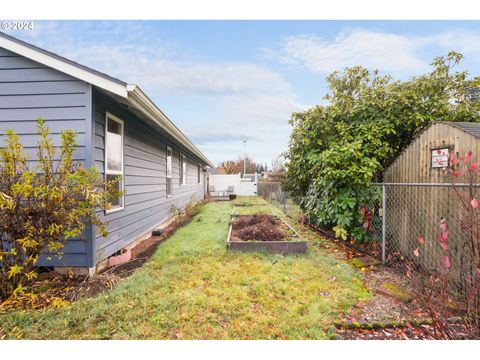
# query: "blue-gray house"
120,132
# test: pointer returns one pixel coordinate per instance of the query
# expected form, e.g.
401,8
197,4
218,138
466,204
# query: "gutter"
132,93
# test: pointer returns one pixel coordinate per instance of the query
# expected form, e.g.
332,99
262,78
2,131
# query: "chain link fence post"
384,222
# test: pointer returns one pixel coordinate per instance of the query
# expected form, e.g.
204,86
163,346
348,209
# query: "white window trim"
115,172
199,173
183,171
171,171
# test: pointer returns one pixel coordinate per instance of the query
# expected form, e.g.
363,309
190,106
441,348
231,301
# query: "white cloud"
388,52
233,100
259,119
152,70
465,42
217,103
130,52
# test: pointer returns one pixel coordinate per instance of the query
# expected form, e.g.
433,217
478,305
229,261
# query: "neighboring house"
417,201
120,132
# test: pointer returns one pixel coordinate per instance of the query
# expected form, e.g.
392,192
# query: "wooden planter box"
274,247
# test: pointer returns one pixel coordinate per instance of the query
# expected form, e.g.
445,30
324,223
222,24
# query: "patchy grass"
249,205
253,209
248,201
193,288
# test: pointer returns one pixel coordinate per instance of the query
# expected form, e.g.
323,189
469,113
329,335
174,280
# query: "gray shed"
120,131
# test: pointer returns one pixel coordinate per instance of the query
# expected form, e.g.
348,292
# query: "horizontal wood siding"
146,203
29,90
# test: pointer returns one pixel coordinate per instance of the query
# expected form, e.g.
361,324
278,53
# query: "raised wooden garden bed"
262,232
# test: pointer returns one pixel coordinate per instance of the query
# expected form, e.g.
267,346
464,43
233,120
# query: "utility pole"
244,157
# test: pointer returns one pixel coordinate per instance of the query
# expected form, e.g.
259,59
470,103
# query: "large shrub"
336,150
43,204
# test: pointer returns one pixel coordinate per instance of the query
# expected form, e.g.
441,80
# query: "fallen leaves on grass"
192,288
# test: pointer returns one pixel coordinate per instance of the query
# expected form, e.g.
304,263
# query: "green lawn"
194,289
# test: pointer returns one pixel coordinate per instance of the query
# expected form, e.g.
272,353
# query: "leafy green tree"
44,206
336,150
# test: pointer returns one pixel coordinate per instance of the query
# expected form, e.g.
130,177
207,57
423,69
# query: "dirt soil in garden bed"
55,290
259,228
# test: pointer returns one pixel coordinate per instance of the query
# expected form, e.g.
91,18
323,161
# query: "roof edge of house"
131,92
142,102
63,65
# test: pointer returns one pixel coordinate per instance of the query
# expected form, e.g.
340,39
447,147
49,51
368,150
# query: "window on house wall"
199,173
183,170
169,171
114,157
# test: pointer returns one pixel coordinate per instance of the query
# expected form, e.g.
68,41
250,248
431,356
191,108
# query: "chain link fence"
371,211
421,224
403,217
425,223
275,195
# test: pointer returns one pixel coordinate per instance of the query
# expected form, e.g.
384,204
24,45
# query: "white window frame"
199,173
115,172
183,170
169,149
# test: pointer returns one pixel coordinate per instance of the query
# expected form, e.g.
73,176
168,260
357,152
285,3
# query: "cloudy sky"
224,82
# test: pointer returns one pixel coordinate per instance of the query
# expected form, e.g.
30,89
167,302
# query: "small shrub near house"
43,204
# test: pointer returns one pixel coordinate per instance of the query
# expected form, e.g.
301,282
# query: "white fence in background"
246,186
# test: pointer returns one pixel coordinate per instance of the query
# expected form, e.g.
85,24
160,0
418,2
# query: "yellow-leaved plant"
44,203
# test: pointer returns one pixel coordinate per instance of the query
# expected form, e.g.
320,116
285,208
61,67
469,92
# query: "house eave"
138,99
131,93
60,64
